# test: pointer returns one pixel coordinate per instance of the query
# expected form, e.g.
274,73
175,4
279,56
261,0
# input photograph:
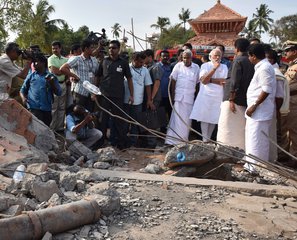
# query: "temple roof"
219,12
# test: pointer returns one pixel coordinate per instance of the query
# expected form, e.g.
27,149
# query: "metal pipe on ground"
34,224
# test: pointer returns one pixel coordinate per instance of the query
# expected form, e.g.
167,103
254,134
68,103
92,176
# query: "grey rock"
55,200
80,161
98,235
13,210
152,168
89,176
30,204
80,186
47,236
64,236
107,154
77,149
6,200
68,181
84,232
101,165
195,154
43,191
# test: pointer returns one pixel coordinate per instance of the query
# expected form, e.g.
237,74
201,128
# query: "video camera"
98,38
32,53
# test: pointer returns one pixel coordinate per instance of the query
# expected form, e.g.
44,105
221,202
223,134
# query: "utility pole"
133,34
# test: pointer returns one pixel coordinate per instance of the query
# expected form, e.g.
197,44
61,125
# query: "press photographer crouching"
38,90
80,126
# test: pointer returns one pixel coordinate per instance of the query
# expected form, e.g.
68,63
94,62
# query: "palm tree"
261,18
184,16
39,27
161,24
116,29
250,31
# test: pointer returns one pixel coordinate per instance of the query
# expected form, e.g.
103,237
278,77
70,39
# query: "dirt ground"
156,210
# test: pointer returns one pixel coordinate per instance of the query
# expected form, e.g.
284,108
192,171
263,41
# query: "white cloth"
8,70
256,143
207,104
186,79
273,135
177,128
282,90
206,130
231,126
141,78
264,80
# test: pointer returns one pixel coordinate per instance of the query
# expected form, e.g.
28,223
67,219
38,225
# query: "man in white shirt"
185,76
141,82
261,106
9,70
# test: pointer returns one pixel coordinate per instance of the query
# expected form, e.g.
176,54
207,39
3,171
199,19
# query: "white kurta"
186,79
207,104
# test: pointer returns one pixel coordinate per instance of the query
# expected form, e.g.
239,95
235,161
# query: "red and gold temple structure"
218,25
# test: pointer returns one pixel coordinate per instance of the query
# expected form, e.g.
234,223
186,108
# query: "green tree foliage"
250,31
39,28
115,30
173,36
261,19
284,29
184,16
12,16
161,24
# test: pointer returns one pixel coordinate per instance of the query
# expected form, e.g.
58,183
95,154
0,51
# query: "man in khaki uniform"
289,129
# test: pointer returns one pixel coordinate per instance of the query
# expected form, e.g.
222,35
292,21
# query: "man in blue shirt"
38,90
80,126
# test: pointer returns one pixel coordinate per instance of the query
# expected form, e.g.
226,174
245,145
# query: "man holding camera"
9,70
80,126
38,90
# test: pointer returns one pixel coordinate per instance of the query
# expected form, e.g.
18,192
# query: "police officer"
289,130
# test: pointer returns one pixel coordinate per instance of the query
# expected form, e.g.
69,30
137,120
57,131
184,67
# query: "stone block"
107,154
68,181
101,165
43,191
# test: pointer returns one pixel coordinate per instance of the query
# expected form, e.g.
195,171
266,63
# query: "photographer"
9,70
38,90
80,126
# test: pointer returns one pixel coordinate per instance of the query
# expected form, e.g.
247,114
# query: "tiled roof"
219,12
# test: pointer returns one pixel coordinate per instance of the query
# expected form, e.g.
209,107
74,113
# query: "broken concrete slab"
189,154
253,188
77,149
18,151
43,191
15,118
107,154
7,200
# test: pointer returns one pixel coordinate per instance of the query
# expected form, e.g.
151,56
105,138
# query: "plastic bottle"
91,87
19,173
180,157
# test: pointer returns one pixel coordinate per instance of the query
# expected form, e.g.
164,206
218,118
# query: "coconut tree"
39,28
250,31
261,19
116,29
184,16
161,24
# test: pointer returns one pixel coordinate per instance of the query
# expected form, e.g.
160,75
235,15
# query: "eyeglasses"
112,48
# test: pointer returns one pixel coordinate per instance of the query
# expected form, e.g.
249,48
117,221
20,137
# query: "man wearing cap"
9,70
289,131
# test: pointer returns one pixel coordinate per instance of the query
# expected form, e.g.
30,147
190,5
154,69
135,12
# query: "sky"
98,14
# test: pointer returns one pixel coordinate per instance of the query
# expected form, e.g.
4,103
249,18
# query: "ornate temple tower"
218,25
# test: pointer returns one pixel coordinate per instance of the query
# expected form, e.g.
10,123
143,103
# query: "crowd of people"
242,103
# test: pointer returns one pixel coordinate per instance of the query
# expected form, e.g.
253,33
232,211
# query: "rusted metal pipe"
34,224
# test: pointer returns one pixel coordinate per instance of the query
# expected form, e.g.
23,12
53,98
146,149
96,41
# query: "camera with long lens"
98,38
32,53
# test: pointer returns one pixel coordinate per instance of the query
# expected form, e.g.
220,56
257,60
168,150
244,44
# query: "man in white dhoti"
231,130
184,77
206,108
261,105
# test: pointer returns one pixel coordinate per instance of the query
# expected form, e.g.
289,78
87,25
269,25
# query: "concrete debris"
43,191
101,165
47,236
189,154
68,181
15,118
151,168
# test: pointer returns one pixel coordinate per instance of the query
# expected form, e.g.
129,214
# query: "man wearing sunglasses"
289,131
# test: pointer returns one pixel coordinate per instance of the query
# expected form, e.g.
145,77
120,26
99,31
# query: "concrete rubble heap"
75,193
